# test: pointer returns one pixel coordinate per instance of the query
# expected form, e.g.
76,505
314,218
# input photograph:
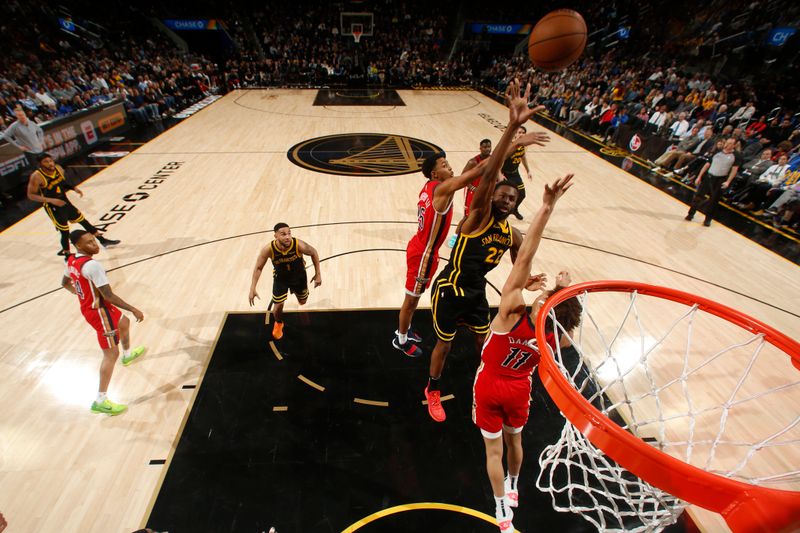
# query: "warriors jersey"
511,165
514,354
475,254
55,185
287,263
432,225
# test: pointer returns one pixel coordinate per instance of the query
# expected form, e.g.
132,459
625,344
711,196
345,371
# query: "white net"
687,382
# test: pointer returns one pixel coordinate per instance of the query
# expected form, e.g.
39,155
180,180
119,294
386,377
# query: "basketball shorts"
420,268
105,322
456,306
516,179
500,403
297,283
62,216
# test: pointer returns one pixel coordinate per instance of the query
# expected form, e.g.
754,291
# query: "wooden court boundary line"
176,440
553,239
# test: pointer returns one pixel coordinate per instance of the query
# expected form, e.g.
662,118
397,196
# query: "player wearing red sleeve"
503,381
434,215
86,278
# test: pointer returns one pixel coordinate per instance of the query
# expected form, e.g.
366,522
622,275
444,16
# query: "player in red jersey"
100,307
486,151
434,215
502,389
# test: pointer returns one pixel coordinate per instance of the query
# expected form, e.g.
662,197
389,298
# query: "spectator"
25,135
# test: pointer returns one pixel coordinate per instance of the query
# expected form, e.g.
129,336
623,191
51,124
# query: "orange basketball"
557,40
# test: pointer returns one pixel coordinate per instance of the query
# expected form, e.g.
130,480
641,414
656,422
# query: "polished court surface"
192,208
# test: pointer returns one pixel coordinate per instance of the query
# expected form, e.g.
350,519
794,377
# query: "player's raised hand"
518,110
535,137
563,279
252,297
556,190
536,282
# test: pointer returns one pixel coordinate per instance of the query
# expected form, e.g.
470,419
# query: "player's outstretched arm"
307,249
447,188
518,113
511,301
263,256
522,266
109,296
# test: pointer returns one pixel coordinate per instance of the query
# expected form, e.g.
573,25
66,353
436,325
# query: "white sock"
501,509
402,338
101,397
513,481
126,351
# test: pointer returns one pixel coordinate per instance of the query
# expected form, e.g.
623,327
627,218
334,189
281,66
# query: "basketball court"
325,428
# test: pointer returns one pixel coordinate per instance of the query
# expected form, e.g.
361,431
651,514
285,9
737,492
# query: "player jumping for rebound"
459,292
502,390
289,272
434,214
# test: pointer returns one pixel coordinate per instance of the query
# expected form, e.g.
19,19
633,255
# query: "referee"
715,176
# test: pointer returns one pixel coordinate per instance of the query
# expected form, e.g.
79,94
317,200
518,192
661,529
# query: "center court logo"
362,154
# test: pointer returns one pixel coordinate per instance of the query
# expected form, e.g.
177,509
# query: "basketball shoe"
511,494
135,354
108,407
277,330
408,348
435,408
504,516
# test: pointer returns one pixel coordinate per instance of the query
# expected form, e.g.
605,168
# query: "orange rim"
745,507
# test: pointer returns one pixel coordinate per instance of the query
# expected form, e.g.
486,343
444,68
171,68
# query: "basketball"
557,40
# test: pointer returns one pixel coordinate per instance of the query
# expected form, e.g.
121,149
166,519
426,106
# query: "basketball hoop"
655,423
357,30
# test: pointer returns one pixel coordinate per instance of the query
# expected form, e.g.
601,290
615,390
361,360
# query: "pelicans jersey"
422,251
469,190
86,275
502,390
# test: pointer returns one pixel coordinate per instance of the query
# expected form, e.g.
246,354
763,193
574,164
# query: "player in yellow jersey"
458,296
289,272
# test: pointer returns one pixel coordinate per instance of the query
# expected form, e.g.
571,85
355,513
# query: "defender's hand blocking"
518,110
536,282
556,190
535,137
563,279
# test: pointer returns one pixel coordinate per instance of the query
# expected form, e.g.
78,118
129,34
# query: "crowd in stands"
307,47
49,75
692,111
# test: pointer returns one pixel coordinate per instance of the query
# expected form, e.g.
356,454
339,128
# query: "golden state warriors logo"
362,154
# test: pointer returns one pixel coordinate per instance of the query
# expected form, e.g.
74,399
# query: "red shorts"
420,268
499,403
105,322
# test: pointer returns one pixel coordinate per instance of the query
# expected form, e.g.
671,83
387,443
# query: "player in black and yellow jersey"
49,186
289,272
511,167
458,296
